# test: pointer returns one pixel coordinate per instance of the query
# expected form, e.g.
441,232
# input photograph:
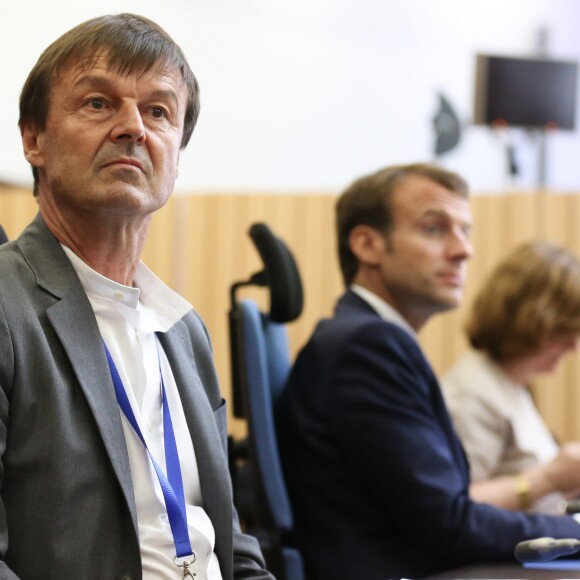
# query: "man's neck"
112,248
413,318
382,307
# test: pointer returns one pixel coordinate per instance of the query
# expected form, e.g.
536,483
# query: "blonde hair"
531,297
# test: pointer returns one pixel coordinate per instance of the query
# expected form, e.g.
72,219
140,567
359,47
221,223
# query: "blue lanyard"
172,485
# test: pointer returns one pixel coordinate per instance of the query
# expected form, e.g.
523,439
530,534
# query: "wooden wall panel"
558,396
17,208
199,245
210,233
159,253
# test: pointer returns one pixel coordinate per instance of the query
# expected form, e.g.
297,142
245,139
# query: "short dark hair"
367,201
531,297
131,43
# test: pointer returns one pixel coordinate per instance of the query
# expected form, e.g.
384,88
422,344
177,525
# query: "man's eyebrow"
164,95
441,213
92,80
431,212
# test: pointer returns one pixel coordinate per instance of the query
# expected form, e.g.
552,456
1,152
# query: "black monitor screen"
525,92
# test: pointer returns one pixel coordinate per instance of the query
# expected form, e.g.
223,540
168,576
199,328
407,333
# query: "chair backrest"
260,365
265,364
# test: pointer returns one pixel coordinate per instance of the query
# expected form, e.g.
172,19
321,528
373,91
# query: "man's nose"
461,246
128,125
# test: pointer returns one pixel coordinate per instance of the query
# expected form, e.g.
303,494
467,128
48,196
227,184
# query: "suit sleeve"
394,430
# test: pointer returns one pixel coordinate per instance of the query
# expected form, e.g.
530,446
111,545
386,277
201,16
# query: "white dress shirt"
128,318
382,308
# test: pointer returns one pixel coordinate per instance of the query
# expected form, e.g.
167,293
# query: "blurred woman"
525,318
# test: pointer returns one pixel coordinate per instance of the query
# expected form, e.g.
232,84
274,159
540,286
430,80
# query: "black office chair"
260,366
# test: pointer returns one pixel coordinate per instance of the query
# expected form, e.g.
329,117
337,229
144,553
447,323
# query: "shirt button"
118,295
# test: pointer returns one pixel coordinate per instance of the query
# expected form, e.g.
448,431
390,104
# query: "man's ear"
367,244
32,144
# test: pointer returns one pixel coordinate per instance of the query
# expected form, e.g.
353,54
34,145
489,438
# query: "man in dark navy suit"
377,476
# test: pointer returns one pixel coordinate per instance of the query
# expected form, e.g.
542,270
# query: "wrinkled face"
547,358
423,265
111,141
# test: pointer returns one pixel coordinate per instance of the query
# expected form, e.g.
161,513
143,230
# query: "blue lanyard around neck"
172,484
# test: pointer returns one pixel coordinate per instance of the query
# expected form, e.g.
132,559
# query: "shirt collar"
166,306
382,308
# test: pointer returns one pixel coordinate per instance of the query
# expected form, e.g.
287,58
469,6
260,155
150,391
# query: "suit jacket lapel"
198,412
90,366
350,301
74,322
204,434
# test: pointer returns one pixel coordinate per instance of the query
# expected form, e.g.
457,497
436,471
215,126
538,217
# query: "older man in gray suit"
112,426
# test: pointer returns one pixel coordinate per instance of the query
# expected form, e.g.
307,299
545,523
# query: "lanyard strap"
172,485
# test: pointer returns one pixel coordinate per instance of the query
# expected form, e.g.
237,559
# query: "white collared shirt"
382,308
128,318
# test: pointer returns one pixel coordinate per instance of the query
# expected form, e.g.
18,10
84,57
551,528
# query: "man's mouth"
451,278
124,162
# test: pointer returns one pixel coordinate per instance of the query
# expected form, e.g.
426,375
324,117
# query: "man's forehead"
419,195
100,61
418,190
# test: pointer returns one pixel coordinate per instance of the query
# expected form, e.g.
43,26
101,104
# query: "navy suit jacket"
377,476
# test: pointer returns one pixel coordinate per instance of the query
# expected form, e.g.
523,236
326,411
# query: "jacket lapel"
350,302
207,440
82,343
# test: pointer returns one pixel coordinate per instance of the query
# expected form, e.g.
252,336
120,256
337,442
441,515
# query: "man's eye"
97,103
158,112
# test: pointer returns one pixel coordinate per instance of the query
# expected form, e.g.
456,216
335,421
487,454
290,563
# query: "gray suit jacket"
67,508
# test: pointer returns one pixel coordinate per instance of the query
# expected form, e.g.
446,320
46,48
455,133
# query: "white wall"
309,94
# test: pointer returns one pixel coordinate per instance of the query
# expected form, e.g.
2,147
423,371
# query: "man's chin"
449,301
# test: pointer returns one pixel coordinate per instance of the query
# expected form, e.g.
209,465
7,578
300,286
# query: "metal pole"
542,50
